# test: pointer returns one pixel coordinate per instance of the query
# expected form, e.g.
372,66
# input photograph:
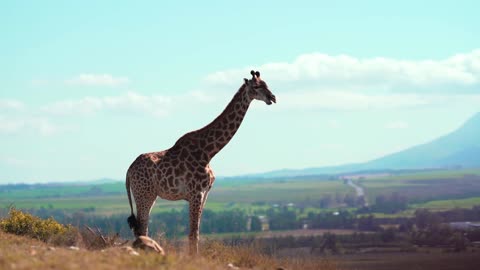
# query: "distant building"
263,223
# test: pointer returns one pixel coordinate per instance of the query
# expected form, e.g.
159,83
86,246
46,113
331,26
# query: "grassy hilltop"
33,243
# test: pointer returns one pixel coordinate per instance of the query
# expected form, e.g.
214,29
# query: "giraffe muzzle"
271,98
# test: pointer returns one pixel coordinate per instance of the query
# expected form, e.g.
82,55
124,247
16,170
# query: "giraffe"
183,171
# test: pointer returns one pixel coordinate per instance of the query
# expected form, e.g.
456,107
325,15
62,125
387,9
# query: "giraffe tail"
132,220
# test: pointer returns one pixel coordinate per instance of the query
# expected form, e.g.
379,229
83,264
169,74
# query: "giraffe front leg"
196,207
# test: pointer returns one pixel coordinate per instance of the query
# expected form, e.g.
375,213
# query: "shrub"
47,230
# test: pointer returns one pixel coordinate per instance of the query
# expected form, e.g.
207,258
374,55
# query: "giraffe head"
259,89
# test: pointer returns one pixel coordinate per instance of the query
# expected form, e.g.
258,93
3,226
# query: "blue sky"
88,86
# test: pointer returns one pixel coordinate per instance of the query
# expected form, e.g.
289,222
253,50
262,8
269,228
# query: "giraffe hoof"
147,243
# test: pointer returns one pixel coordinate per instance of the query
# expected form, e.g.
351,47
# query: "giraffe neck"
210,139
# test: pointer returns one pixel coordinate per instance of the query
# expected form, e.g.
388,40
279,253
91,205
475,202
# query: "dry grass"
26,243
20,252
249,257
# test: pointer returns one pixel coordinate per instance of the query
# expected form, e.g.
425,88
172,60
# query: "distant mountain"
460,148
102,181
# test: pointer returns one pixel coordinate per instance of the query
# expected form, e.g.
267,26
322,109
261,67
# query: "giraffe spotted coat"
183,171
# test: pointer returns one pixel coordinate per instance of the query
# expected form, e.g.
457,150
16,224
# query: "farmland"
110,198
327,204
436,189
429,189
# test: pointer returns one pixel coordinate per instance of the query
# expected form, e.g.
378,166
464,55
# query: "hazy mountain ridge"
460,148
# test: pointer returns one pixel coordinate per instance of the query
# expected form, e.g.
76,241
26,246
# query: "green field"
428,189
426,186
449,204
111,198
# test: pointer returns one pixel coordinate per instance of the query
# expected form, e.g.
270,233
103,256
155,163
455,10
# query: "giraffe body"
183,171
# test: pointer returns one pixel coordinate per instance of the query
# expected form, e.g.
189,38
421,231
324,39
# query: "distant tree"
331,220
326,201
391,204
430,230
283,219
256,224
459,241
329,243
406,226
425,219
367,223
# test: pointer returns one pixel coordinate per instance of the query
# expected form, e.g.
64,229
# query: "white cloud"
357,101
41,120
43,126
40,82
200,96
155,105
97,80
321,81
397,125
330,100
131,101
26,124
11,105
333,124
455,73
8,125
16,118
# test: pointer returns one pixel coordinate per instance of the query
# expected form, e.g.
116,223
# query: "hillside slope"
461,148
17,252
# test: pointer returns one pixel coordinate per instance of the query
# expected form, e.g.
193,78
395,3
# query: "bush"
47,230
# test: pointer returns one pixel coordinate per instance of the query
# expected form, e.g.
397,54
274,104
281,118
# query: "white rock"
231,266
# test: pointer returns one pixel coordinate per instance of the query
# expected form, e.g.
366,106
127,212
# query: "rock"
147,243
231,266
130,251
51,248
73,248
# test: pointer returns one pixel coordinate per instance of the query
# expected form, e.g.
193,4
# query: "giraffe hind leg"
140,222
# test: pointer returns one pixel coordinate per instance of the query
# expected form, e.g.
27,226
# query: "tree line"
174,223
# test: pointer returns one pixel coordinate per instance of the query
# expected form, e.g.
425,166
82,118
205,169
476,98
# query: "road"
359,190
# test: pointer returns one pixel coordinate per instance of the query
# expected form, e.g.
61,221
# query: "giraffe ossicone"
183,171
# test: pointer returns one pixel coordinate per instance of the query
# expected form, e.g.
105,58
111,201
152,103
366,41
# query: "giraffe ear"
246,80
